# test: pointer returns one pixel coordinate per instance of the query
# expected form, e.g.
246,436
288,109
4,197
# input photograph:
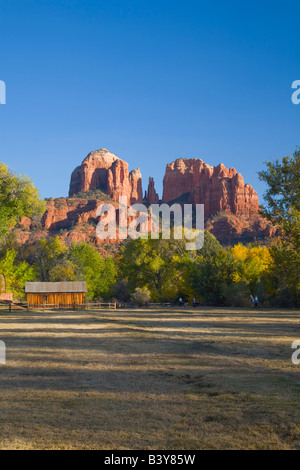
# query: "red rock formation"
229,228
231,207
220,189
105,171
151,196
74,220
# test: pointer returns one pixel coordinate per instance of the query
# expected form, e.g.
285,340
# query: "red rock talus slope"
73,219
220,189
105,171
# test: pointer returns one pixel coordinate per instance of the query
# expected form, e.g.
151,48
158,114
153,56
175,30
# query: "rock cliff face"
220,189
105,171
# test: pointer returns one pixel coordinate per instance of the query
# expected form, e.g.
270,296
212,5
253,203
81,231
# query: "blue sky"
151,81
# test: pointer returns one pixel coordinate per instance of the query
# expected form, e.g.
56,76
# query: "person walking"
180,301
194,302
256,301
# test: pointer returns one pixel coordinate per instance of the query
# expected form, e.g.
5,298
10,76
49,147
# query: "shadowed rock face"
220,189
105,171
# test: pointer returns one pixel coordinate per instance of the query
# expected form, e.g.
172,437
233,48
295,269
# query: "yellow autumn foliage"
250,263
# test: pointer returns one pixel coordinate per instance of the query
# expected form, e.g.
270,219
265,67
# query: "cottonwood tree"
18,198
283,196
283,209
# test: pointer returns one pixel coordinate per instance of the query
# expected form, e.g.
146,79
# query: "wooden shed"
55,293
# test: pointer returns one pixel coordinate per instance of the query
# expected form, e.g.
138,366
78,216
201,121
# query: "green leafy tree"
285,274
157,265
195,267
16,273
18,198
48,255
211,246
236,294
89,265
164,267
283,209
119,291
208,274
63,272
283,196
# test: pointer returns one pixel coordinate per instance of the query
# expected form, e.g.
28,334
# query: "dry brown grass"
150,379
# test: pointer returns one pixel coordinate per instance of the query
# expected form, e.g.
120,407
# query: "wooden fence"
86,306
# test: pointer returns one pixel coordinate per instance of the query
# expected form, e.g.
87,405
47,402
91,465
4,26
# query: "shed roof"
54,287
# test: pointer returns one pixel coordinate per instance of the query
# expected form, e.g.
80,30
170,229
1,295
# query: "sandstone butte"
103,170
231,206
220,189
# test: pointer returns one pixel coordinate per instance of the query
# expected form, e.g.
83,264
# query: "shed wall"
56,298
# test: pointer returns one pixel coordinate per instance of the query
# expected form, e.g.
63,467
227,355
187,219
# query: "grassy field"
150,379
